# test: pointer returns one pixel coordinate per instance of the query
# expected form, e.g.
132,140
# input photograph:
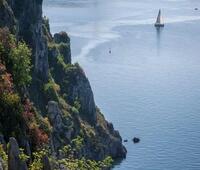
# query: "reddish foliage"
6,82
28,113
38,136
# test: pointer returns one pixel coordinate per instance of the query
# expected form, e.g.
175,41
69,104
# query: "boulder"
136,140
14,162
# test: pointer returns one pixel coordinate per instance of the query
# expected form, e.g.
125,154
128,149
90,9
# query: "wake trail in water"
107,34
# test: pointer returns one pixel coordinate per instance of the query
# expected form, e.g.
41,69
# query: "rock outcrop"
14,161
80,91
75,85
63,40
60,126
103,134
61,37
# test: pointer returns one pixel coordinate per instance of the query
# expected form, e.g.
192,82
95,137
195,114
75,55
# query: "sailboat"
159,22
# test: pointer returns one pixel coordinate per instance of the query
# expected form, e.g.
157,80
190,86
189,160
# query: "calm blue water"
149,86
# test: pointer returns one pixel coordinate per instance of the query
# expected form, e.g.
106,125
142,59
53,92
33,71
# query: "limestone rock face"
61,133
109,140
74,83
113,142
55,119
79,90
6,15
82,91
55,115
28,14
14,162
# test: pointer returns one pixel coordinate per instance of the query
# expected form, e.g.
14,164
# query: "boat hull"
159,25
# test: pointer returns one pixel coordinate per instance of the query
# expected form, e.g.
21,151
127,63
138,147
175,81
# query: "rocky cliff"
27,14
57,110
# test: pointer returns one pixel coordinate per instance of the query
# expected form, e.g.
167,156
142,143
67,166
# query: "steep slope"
57,108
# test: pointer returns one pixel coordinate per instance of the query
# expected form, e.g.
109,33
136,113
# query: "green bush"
78,143
4,157
73,163
10,114
37,160
51,90
20,58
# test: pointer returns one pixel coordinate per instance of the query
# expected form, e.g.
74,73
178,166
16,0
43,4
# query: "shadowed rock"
14,162
3,142
61,37
6,15
46,163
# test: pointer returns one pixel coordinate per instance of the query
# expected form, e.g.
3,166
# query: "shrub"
44,124
22,156
77,104
16,57
10,114
20,59
28,113
37,160
6,84
4,157
78,143
51,89
39,137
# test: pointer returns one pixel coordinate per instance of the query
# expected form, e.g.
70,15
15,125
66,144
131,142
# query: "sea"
145,80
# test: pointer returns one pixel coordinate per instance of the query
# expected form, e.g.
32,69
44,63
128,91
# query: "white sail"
159,17
159,22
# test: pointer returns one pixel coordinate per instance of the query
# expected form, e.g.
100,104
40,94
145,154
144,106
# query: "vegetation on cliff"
46,102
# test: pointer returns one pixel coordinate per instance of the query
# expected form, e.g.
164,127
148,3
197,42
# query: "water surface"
149,86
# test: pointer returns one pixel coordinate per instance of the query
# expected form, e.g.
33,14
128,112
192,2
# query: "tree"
20,57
